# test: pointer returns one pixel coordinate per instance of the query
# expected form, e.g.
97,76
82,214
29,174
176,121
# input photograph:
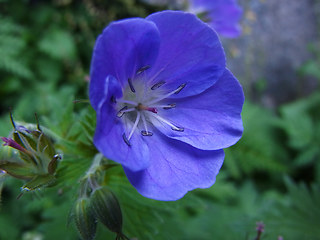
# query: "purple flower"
11,143
166,105
221,15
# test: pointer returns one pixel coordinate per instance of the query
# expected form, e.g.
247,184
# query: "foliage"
260,146
311,67
297,215
301,122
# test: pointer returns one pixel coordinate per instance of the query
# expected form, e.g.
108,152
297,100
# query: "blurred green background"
271,175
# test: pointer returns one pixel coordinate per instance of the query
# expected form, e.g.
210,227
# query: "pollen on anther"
121,111
157,85
146,133
170,106
178,129
131,85
180,88
141,70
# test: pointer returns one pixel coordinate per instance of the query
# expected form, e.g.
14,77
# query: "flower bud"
107,209
85,219
38,158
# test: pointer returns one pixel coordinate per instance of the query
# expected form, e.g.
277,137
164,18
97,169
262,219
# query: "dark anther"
157,85
125,139
113,99
131,85
180,88
120,112
141,70
169,106
146,133
178,129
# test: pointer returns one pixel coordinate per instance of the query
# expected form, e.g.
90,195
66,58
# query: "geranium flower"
222,15
166,105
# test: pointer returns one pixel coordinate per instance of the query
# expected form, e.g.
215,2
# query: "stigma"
142,107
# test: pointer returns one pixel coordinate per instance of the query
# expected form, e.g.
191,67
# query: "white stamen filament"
127,101
165,96
167,106
144,122
135,125
129,110
161,119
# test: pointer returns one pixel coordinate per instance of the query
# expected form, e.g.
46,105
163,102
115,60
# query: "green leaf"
259,149
16,67
307,156
39,181
299,127
311,68
297,217
18,170
59,44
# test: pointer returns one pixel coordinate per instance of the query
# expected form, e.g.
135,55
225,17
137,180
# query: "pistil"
150,109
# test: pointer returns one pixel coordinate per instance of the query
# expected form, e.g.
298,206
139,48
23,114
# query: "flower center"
142,107
140,103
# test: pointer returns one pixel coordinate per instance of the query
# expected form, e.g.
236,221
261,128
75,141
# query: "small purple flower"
166,105
11,143
221,15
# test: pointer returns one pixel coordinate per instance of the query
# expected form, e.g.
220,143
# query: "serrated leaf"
297,217
71,169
